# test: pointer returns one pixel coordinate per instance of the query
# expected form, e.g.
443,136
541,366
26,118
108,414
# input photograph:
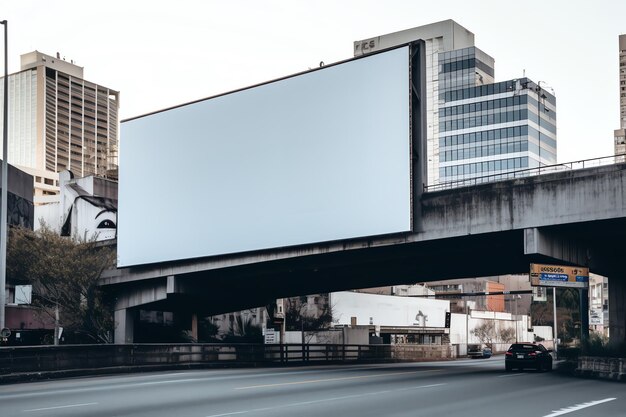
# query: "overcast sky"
163,53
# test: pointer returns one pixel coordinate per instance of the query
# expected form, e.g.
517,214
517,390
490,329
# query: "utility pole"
3,199
466,328
555,333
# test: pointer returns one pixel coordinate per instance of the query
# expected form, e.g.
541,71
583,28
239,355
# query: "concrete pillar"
584,314
194,326
124,326
617,308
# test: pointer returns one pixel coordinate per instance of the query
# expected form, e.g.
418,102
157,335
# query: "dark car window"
523,347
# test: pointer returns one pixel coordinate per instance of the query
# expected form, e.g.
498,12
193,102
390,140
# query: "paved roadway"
464,388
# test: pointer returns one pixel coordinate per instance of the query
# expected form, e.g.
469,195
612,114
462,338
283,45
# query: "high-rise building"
475,127
58,121
620,134
489,130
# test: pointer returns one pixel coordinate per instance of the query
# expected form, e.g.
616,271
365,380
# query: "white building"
86,208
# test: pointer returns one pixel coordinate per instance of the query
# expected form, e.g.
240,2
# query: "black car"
528,355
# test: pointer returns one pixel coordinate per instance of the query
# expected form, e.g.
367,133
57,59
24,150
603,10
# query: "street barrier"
37,359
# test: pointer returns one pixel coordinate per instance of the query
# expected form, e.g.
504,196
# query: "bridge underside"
217,291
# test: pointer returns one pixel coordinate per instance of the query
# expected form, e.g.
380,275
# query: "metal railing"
528,172
68,358
35,359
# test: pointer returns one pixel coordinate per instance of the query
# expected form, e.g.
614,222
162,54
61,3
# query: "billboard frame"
417,131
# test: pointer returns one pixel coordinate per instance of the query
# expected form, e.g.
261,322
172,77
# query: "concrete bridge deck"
576,217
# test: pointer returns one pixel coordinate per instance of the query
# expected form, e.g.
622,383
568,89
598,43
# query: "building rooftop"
35,59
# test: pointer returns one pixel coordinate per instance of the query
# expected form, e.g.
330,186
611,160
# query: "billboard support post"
419,160
555,331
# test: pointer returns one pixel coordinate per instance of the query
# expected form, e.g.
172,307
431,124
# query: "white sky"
163,53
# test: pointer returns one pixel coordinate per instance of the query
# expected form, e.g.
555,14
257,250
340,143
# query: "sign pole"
555,336
3,200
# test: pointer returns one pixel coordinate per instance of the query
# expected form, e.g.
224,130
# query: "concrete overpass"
572,217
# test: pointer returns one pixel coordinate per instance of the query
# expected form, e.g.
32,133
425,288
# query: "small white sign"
23,294
596,317
539,294
271,337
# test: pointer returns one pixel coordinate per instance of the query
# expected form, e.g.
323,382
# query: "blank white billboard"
320,156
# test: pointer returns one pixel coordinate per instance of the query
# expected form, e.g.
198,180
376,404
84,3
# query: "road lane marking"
107,384
505,376
577,407
59,407
316,381
345,397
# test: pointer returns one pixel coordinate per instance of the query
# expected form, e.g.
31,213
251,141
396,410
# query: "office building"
476,128
60,121
489,130
620,134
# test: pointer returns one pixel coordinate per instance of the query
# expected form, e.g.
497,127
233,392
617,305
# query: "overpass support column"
617,308
124,326
194,326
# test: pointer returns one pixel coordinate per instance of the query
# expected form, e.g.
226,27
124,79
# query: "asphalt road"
462,388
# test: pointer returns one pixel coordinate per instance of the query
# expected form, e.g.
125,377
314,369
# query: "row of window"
489,89
458,65
496,118
484,167
485,150
457,53
485,105
487,119
485,135
495,135
479,91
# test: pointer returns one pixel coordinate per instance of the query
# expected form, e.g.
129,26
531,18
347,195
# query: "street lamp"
3,199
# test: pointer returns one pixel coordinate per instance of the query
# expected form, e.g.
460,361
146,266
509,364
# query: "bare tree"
507,335
300,316
64,273
486,333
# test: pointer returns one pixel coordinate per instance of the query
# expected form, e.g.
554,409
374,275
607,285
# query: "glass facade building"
495,128
475,126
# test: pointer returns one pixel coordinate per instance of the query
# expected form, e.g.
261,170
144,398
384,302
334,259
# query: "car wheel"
549,367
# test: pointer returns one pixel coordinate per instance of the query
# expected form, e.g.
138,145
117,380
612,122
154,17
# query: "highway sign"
559,276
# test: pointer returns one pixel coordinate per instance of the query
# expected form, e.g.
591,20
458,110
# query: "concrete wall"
422,352
548,200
